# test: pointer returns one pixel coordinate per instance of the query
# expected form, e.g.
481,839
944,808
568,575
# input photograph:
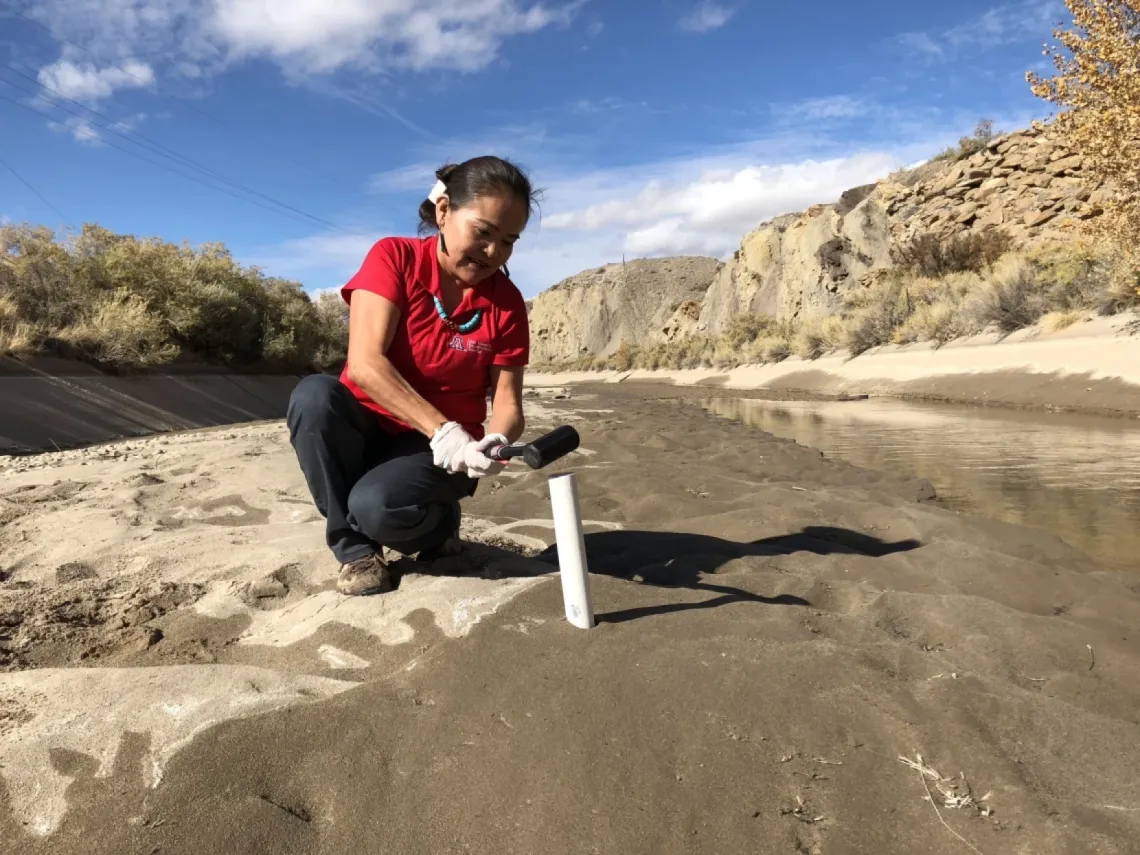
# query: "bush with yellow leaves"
1097,81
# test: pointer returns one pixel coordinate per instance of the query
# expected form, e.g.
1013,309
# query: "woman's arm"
371,326
506,402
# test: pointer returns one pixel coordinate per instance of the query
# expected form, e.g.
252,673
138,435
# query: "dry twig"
951,798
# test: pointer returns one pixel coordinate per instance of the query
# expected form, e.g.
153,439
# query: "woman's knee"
388,515
313,398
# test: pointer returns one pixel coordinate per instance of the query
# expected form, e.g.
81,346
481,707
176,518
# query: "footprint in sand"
224,511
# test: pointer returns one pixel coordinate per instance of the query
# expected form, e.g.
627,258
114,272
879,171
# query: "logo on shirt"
457,342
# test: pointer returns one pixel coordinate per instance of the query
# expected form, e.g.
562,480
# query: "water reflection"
1075,476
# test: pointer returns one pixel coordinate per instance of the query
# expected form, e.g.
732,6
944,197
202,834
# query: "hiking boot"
369,575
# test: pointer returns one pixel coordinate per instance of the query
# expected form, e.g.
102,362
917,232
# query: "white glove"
448,447
479,464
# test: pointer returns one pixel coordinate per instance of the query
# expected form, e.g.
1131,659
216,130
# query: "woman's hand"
449,447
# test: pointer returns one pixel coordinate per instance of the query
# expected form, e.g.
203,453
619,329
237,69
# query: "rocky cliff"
595,311
804,266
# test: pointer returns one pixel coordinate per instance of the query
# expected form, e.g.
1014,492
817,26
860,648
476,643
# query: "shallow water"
1075,476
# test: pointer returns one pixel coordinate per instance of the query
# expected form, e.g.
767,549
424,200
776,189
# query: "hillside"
1014,192
595,311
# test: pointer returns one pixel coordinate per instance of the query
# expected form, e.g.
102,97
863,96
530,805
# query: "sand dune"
776,631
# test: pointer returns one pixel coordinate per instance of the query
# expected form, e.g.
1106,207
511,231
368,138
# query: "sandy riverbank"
777,629
1090,367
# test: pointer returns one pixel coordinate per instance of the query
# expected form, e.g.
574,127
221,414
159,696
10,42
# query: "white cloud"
709,207
594,28
705,17
293,259
1002,25
196,37
830,107
404,179
89,83
688,205
81,130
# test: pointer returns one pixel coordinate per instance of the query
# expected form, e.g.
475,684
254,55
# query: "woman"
435,324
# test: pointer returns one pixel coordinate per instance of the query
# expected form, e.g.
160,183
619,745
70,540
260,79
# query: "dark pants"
373,488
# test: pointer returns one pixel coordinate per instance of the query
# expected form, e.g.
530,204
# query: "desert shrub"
17,337
623,358
931,255
123,300
967,146
771,348
875,315
119,330
935,308
814,339
1010,296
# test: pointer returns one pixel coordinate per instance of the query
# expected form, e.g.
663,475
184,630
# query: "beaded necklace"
465,327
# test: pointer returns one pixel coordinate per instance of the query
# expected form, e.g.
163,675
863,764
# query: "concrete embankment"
54,403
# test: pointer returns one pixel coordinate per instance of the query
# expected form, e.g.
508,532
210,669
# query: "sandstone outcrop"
803,266
593,312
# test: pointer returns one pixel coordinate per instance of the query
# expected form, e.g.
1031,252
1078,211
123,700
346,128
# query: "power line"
158,148
38,194
178,172
189,104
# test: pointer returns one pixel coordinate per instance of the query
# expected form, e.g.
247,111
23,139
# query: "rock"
1038,218
1065,164
139,639
990,217
593,313
990,187
966,213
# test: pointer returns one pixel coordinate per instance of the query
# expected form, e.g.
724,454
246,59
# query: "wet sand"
776,631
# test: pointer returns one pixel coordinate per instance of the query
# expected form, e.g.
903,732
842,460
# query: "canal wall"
47,404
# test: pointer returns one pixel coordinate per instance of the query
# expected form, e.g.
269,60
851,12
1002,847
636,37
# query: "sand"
776,630
1092,367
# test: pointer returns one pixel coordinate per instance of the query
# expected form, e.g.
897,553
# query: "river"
1075,476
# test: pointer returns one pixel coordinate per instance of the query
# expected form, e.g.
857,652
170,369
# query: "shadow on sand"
674,560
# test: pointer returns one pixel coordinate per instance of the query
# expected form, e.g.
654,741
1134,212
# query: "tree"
1097,62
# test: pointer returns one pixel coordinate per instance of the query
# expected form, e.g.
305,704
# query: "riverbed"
1072,475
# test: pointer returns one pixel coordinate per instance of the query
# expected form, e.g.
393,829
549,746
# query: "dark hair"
479,176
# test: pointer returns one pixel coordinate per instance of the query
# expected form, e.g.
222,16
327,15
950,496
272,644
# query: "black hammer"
542,451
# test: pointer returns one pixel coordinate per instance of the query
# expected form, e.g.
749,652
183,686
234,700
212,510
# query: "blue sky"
657,127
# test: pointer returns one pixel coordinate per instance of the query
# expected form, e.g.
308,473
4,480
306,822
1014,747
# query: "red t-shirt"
449,369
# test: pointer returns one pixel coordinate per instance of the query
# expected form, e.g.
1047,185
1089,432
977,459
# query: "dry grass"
17,337
1057,321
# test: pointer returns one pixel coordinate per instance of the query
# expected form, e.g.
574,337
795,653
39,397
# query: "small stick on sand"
924,770
1092,657
1122,809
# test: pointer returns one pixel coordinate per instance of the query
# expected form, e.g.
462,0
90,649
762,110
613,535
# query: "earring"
442,243
506,271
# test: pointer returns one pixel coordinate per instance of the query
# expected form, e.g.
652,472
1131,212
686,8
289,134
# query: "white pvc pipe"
571,551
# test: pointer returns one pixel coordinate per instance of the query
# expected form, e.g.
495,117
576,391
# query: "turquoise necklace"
464,327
